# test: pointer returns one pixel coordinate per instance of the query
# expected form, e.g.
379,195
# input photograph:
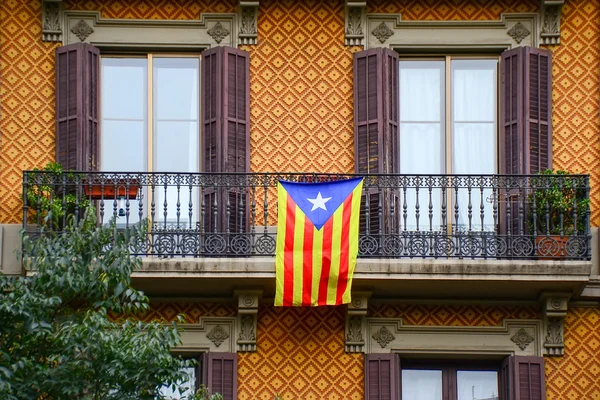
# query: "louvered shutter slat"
526,118
382,376
376,139
225,135
220,374
526,90
77,71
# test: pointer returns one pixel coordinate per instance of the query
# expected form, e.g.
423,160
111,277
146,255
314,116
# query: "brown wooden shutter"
526,134
77,71
522,378
376,140
226,134
382,376
219,371
526,98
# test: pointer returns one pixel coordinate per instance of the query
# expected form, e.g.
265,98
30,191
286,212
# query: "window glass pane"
421,88
123,146
421,384
477,385
176,150
176,88
189,386
474,147
474,116
474,90
124,101
124,82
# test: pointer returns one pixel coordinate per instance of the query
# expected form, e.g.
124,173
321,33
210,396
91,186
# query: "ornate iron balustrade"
402,216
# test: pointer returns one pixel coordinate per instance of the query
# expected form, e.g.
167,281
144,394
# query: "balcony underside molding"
387,278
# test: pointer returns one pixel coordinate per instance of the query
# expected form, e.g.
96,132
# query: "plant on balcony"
556,200
49,201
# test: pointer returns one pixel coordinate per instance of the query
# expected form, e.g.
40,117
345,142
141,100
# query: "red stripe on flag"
345,250
308,263
326,265
288,253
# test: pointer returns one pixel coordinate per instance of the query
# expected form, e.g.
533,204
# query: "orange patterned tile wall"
301,88
576,375
576,95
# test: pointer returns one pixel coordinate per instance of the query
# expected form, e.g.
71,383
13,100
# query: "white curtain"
421,384
474,108
176,134
421,137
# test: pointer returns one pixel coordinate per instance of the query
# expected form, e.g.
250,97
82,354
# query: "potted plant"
560,207
49,201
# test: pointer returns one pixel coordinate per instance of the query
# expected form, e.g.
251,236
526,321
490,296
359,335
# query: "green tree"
57,338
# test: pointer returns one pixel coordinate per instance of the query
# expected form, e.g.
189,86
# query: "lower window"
449,380
188,386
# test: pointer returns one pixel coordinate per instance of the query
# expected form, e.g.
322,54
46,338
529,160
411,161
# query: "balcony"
509,229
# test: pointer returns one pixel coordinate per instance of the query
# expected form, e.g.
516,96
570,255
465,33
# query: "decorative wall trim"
355,22
495,340
555,307
356,314
247,319
211,29
513,29
551,11
210,334
52,16
248,17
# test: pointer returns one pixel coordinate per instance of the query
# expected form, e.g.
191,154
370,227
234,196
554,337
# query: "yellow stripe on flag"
317,265
336,242
279,254
298,256
353,245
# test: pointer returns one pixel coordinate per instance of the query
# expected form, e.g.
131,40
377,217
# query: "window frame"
149,134
449,369
198,368
447,107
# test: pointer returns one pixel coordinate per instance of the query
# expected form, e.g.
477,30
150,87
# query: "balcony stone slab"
385,278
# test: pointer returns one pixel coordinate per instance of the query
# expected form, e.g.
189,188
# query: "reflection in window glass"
124,114
421,384
477,385
188,386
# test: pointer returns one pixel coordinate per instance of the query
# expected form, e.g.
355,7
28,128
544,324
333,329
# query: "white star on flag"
319,202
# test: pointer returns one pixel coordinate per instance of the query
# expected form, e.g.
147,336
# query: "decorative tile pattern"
301,82
27,81
576,95
300,355
26,100
168,312
301,89
576,375
452,315
451,9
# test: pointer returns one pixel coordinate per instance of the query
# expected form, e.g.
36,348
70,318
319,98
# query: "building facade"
392,90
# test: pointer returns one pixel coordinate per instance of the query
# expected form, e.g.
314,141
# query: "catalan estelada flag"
317,242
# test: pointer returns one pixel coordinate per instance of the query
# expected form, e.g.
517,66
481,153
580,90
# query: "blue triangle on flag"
318,201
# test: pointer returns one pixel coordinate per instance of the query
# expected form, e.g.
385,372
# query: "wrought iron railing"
402,216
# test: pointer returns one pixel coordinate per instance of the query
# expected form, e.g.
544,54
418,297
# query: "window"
448,114
447,125
150,113
189,385
449,381
387,376
440,116
150,121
